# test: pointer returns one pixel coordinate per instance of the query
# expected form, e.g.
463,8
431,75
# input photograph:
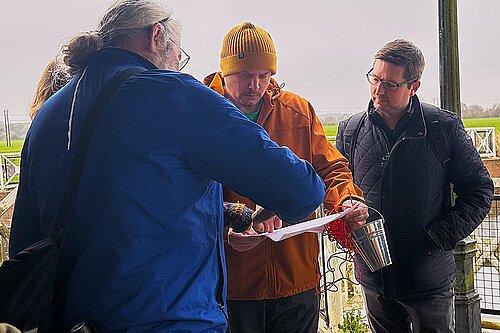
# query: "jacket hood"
215,81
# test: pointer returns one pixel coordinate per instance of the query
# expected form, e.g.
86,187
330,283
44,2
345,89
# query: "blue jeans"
433,313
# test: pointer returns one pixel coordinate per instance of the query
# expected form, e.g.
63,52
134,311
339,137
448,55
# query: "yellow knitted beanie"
247,47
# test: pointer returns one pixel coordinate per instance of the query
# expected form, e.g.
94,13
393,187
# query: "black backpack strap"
437,134
65,265
350,136
82,147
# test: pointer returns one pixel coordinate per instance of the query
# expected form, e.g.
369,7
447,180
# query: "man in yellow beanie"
271,286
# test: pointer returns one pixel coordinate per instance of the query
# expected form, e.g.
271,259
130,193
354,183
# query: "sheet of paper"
315,226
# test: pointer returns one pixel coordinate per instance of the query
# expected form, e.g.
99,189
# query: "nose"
254,83
379,89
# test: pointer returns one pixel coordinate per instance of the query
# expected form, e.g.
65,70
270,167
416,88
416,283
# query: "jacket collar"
110,57
413,124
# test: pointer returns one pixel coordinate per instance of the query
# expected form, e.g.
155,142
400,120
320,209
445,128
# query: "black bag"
27,281
27,285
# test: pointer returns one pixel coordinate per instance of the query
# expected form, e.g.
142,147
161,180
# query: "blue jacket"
146,231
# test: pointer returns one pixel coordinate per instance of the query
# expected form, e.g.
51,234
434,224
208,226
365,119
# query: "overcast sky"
324,46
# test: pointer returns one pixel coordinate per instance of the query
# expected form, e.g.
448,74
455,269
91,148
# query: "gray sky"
324,46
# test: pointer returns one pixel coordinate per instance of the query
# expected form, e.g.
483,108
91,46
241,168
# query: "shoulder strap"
350,136
82,147
438,138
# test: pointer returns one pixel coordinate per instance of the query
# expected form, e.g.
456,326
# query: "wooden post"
449,74
467,300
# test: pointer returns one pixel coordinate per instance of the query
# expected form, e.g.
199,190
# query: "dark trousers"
298,313
434,313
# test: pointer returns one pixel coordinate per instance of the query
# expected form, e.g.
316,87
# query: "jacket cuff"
237,216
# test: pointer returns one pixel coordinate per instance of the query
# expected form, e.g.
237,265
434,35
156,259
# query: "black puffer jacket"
409,185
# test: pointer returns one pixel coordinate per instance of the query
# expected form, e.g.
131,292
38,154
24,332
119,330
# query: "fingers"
242,242
259,227
277,223
358,214
357,217
269,225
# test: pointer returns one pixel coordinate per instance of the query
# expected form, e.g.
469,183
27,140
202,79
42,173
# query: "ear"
414,88
155,38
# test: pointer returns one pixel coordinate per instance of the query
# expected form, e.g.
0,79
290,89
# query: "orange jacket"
278,269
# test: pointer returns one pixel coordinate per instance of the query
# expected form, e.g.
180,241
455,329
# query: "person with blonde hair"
142,249
54,77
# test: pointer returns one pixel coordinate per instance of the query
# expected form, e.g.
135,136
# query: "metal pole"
5,126
449,74
9,141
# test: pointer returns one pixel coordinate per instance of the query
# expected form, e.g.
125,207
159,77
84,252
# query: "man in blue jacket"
146,233
404,157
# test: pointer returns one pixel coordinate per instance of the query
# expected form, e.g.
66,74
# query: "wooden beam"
449,74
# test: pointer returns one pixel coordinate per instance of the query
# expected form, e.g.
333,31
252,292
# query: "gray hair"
401,52
121,22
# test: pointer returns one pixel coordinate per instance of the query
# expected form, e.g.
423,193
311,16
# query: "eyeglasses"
184,57
387,84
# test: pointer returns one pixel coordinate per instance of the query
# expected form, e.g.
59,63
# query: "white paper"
315,226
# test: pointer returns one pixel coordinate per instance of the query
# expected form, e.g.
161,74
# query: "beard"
170,61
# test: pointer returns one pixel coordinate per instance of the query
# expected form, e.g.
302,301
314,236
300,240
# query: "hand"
269,225
243,241
265,220
357,217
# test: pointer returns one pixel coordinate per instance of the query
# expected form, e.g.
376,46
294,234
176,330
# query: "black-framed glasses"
183,61
387,84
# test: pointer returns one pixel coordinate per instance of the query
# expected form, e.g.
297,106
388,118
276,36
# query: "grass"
17,145
331,130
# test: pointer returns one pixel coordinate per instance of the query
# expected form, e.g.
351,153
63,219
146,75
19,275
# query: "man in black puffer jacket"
397,165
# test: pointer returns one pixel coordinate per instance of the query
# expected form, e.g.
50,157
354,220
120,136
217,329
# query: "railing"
484,139
9,163
339,290
487,267
4,242
5,204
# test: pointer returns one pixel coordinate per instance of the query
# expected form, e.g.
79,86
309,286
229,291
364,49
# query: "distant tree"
472,111
476,111
17,131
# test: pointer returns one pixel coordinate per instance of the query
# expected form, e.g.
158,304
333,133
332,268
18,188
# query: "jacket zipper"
270,269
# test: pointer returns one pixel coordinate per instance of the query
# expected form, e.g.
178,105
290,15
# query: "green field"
469,123
330,130
17,145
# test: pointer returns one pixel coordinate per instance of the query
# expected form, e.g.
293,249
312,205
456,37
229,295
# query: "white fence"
484,139
9,163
